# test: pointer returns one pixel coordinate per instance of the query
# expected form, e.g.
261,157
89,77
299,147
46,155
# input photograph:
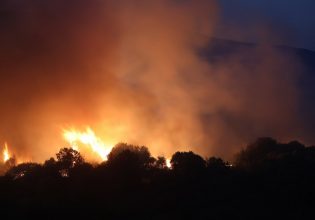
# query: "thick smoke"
133,72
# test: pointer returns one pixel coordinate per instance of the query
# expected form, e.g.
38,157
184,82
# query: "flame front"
6,154
88,138
168,163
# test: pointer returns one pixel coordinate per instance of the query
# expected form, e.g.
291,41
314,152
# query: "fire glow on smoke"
86,142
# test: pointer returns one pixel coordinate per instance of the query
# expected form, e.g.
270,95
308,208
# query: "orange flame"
6,154
88,138
168,163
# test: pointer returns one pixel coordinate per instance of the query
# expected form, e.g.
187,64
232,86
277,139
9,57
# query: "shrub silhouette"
216,166
134,185
24,170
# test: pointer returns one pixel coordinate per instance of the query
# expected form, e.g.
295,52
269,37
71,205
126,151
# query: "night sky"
292,19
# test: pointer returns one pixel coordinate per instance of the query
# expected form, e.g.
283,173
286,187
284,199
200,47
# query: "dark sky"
294,20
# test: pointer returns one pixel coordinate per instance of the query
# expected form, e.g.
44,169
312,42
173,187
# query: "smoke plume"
132,70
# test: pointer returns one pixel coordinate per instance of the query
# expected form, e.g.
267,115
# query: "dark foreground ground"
268,180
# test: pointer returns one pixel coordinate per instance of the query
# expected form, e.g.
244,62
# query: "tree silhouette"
256,153
128,154
50,162
51,168
267,155
68,158
160,163
188,163
81,171
216,165
282,176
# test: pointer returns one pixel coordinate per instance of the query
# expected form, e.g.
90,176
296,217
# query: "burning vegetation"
147,72
84,143
132,184
89,139
6,153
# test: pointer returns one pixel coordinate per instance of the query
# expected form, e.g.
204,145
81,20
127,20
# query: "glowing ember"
89,139
6,154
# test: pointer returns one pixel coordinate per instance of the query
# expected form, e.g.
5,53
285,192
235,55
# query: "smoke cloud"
134,73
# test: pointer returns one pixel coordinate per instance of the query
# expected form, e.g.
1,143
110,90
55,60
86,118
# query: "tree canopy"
266,178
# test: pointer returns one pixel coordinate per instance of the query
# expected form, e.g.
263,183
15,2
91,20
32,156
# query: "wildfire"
168,163
6,154
88,138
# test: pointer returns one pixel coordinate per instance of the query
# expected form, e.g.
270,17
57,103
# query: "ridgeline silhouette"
267,180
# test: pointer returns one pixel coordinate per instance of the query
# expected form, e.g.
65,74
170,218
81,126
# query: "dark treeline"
267,180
